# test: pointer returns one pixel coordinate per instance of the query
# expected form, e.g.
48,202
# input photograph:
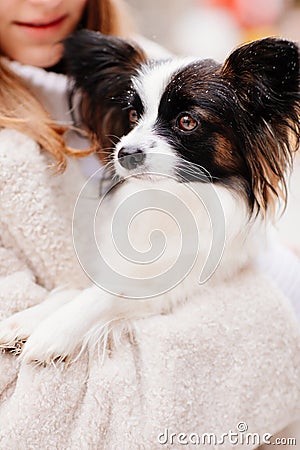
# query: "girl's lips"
39,26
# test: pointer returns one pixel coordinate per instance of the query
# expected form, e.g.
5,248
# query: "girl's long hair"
21,110
107,16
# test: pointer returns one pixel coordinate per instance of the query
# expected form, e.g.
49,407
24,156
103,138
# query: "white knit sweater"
232,356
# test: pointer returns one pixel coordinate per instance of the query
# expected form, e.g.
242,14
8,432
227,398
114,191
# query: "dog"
211,143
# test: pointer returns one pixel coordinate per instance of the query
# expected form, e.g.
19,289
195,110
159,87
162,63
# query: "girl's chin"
43,57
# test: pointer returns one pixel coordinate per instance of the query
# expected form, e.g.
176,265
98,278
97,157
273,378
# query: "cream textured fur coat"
232,356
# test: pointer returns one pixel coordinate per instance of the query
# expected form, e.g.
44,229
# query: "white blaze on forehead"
152,81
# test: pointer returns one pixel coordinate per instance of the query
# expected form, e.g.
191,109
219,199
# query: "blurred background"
212,28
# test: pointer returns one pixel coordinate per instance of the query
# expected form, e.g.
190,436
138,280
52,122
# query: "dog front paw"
15,330
51,342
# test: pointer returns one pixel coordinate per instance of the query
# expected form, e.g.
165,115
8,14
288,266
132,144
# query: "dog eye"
187,123
133,116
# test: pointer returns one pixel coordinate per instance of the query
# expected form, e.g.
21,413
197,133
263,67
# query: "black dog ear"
264,77
264,71
101,67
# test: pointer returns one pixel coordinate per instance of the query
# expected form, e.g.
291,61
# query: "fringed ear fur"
101,67
265,77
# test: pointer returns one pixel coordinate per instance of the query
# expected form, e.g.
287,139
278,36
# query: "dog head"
238,122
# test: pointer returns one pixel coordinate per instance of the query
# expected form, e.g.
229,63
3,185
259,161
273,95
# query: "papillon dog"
200,157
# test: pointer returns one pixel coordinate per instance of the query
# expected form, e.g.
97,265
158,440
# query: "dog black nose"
131,157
